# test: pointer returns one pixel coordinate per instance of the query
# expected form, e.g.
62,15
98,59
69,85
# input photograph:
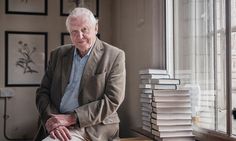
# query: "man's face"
82,33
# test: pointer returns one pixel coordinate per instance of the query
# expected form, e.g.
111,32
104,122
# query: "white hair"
81,12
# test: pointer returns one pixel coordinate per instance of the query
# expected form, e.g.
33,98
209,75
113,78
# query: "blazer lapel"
66,68
91,65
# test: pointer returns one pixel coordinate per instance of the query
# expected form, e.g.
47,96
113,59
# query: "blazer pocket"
111,119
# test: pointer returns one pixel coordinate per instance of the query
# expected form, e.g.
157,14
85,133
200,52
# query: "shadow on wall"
125,122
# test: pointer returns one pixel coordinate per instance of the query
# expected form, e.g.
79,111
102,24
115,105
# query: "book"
147,114
154,76
149,91
147,123
171,104
161,81
172,110
153,71
146,105
147,128
169,92
146,95
172,127
158,86
186,133
164,86
146,109
174,98
146,118
190,138
145,100
171,121
171,115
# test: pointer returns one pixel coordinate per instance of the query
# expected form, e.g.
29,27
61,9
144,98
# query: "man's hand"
57,125
61,133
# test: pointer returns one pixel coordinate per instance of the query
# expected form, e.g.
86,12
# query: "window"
198,53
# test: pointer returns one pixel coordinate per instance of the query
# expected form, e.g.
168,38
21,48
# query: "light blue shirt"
70,98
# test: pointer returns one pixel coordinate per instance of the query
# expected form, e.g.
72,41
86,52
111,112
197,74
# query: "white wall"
127,24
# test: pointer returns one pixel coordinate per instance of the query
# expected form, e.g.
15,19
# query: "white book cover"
172,110
146,128
147,123
164,87
172,127
145,86
170,104
172,98
146,105
146,95
173,133
146,118
153,71
146,109
191,138
171,121
154,76
145,100
171,115
147,114
162,92
161,81
149,91
157,86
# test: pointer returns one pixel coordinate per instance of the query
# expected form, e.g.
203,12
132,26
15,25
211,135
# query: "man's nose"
80,35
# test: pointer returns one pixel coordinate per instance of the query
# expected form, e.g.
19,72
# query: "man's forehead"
80,19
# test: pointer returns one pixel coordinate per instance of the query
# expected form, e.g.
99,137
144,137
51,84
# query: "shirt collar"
76,54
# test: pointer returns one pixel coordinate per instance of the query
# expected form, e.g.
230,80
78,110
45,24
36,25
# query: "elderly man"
83,86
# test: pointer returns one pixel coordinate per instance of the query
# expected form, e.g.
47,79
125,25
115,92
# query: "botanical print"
25,61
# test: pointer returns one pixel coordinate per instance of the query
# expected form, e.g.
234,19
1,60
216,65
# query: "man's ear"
96,28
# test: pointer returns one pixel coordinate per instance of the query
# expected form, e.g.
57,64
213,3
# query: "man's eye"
74,32
84,30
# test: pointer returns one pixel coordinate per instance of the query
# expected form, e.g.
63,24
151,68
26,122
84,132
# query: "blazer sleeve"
43,103
98,111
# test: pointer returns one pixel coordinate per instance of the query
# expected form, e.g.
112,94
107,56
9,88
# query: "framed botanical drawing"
25,58
68,5
65,38
30,7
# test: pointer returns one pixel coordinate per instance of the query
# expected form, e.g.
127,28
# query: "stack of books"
171,117
166,111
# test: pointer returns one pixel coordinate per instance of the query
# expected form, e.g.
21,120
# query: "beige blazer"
101,92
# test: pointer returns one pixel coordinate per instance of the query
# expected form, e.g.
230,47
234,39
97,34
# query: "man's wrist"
73,118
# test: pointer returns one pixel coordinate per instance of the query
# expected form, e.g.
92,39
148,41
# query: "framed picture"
30,7
65,38
25,58
66,6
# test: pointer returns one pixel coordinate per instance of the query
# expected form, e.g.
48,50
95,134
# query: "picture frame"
65,38
25,58
66,6
27,7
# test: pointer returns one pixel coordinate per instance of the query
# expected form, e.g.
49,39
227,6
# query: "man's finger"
58,135
52,135
66,131
63,134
